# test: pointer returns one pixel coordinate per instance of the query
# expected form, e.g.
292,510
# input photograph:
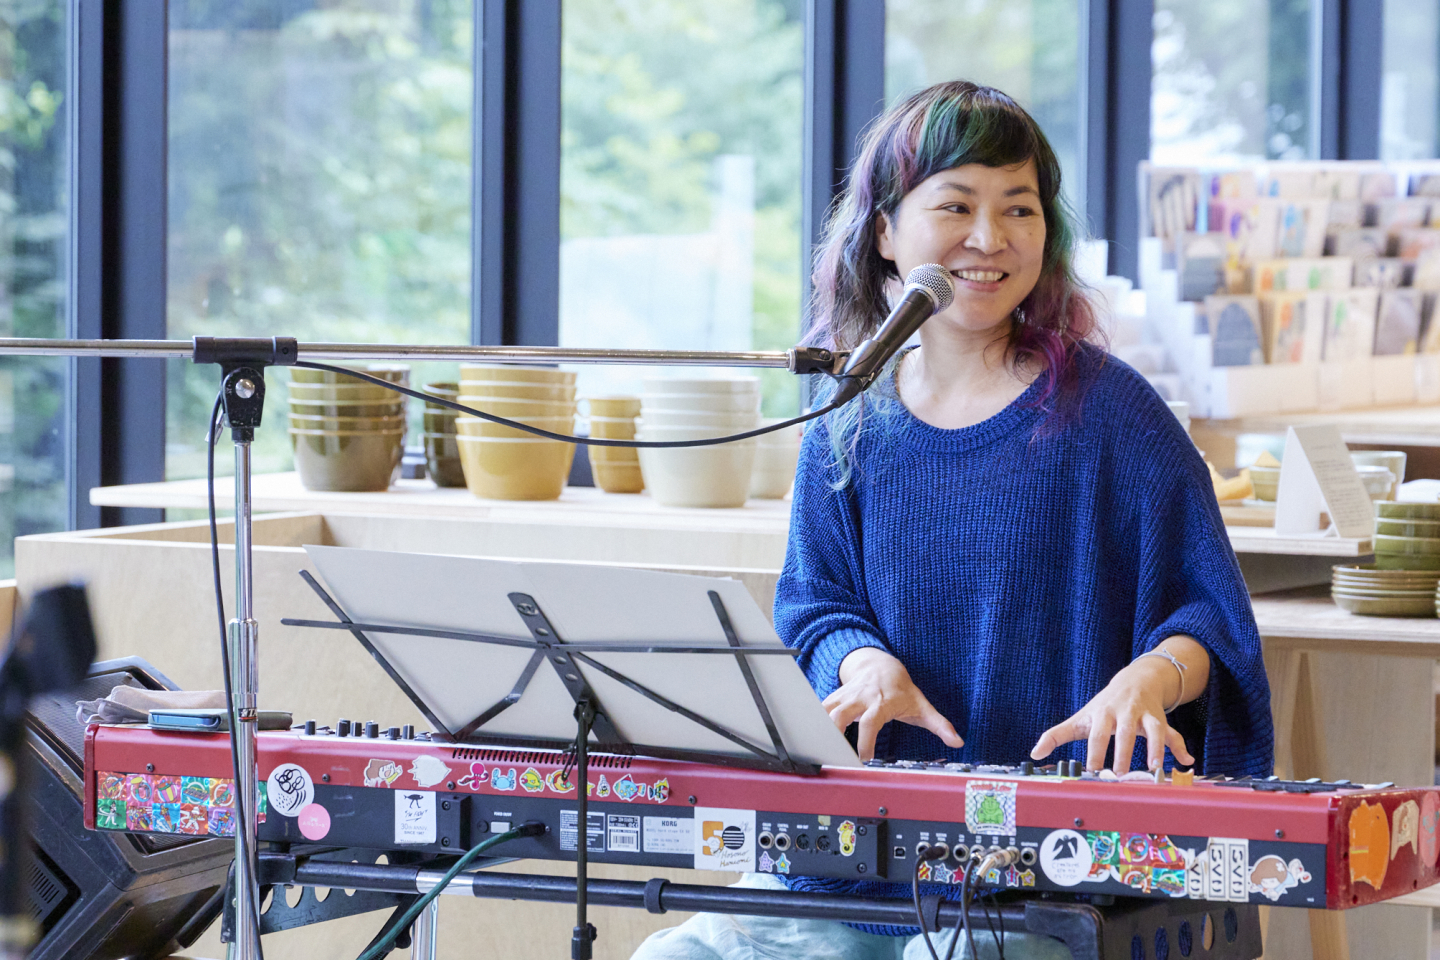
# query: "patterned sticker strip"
145,803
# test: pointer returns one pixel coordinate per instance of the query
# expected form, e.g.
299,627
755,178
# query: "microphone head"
935,281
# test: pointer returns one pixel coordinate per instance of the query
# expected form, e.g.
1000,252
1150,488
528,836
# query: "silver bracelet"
1180,667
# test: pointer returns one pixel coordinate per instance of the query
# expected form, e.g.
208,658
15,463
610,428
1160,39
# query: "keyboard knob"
343,728
393,733
372,729
407,732
309,728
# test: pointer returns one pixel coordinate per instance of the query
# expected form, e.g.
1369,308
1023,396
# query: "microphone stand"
242,363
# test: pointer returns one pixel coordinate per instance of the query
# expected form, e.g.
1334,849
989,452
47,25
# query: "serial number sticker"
594,830
622,833
669,835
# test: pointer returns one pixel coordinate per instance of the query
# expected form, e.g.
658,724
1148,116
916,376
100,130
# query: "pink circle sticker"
314,822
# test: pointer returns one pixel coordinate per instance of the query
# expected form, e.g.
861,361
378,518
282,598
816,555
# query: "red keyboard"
1309,844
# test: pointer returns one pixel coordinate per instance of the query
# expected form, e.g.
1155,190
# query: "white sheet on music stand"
458,679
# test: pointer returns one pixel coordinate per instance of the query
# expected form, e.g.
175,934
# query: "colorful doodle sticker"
428,770
110,814
1405,828
139,817
990,807
502,781
782,865
1429,835
1369,844
1271,876
531,781
195,790
847,837
476,776
626,789
166,789
557,782
138,789
165,817
222,822
382,773
109,786
194,818
604,788
765,863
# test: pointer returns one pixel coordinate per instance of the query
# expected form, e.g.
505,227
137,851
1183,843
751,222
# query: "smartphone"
212,719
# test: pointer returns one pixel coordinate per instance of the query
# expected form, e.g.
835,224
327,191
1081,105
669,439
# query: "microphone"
928,290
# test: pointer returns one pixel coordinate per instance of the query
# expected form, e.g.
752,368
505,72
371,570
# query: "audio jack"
997,858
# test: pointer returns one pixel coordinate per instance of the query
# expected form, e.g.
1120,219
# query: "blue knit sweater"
1016,565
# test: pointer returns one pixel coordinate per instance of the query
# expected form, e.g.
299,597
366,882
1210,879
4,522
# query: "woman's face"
983,224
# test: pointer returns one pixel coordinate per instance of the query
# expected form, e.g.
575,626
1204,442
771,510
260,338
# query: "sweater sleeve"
820,605
1190,584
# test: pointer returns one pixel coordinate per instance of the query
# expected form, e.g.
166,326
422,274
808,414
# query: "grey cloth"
127,704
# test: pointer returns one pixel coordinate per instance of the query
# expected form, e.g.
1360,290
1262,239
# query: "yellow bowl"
475,427
348,424
348,408
487,371
497,469
515,407
612,428
618,477
393,372
516,390
332,392
614,406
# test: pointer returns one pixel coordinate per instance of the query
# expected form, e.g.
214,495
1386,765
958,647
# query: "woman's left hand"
1133,705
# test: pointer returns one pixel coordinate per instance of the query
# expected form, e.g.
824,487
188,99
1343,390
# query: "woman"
1008,549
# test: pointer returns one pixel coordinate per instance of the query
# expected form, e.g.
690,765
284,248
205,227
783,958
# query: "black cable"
242,896
920,857
990,922
967,891
565,437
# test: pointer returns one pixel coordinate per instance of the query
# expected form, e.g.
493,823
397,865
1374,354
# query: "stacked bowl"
503,463
442,450
687,408
346,434
776,457
1407,536
615,469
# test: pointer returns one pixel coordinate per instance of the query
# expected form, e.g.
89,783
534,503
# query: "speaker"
102,895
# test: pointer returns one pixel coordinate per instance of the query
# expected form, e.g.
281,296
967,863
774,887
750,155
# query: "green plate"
1426,546
1408,528
1406,561
1387,608
1400,510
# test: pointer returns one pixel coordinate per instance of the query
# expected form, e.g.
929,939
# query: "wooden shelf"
1309,619
1265,540
1408,426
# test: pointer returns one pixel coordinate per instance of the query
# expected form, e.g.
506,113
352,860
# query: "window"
1232,82
320,167
34,435
681,137
1410,81
1031,49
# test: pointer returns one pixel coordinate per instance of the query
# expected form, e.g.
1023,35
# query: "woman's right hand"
875,688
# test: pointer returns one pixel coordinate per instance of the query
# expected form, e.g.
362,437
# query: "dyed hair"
945,126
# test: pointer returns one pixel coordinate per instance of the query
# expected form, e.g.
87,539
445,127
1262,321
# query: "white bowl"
1378,480
746,419
723,402
774,471
646,431
716,476
720,385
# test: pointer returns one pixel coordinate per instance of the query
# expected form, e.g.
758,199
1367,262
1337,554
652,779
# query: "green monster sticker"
990,807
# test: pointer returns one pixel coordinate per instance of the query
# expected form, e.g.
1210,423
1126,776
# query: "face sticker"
314,822
1369,844
1065,857
1271,876
990,807
289,789
382,773
1405,828
428,771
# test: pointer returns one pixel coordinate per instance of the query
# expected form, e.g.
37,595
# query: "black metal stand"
582,941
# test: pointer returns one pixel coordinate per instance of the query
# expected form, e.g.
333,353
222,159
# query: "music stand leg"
423,932
582,941
244,642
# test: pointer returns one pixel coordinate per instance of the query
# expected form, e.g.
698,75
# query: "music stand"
689,660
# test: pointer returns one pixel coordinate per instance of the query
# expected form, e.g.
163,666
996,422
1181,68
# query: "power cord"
382,946
243,899
567,438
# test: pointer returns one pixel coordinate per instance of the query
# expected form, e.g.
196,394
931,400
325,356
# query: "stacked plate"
687,408
1407,536
442,451
503,463
1364,589
347,434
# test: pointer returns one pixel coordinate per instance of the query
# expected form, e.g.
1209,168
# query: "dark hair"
945,126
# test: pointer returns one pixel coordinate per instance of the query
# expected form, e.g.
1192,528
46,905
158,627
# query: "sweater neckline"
917,433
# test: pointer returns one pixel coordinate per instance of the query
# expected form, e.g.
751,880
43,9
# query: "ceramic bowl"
336,461
348,424
712,476
774,471
623,406
1392,460
1429,546
741,420
713,385
698,402
1386,608
504,390
437,421
395,373
515,407
442,460
446,390
618,477
648,431
475,427
1377,480
348,408
612,428
1266,481
1405,510
497,469
332,392
514,373
1408,528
